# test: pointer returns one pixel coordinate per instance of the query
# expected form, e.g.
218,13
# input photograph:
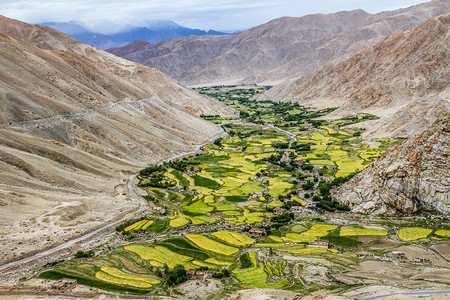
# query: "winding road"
70,243
142,207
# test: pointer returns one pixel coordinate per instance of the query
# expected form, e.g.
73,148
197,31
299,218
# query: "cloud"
110,15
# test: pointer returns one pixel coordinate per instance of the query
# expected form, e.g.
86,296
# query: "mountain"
413,177
75,123
403,79
154,32
284,48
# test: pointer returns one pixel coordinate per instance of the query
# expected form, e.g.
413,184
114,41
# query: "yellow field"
178,222
308,251
159,254
252,256
120,274
204,264
442,232
319,230
298,238
276,203
269,268
116,276
211,245
136,226
115,280
217,262
234,238
147,225
413,233
299,200
361,232
256,278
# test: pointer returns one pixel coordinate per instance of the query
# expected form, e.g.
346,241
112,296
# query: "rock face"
411,177
404,78
282,49
75,122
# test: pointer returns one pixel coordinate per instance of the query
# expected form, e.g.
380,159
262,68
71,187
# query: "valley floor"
254,211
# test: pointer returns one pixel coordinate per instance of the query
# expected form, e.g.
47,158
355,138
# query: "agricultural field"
254,209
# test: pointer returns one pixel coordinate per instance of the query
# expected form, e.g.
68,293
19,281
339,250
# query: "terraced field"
230,209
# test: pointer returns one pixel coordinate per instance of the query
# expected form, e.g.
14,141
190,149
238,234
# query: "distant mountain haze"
153,33
284,48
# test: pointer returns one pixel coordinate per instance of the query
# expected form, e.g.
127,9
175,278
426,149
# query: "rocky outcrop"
411,177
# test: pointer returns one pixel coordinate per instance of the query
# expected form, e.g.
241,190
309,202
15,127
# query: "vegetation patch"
234,238
159,254
442,232
211,245
413,233
362,232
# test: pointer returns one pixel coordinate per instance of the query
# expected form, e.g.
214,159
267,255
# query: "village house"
193,274
191,173
159,210
257,179
257,232
64,284
177,188
419,260
256,195
279,211
189,192
399,255
318,244
297,210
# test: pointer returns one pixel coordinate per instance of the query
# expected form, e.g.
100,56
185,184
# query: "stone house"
193,274
257,232
64,284
279,211
297,210
319,244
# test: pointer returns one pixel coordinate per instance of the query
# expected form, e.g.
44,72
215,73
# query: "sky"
108,16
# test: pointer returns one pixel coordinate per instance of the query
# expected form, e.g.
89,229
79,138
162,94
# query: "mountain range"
403,79
153,33
285,48
74,121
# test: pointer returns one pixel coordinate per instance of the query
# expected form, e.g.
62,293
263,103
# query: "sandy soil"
261,294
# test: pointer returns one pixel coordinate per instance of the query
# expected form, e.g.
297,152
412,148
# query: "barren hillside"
404,79
280,49
75,123
411,177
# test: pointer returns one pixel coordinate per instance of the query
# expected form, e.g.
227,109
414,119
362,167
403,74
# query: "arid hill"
411,177
75,123
284,48
404,79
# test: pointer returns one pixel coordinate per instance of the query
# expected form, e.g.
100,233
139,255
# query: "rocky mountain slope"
411,177
404,79
75,123
281,49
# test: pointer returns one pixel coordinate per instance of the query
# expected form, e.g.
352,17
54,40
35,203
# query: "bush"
82,254
176,276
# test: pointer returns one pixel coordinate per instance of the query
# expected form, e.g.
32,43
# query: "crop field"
414,233
361,232
233,238
308,251
211,245
159,254
442,233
